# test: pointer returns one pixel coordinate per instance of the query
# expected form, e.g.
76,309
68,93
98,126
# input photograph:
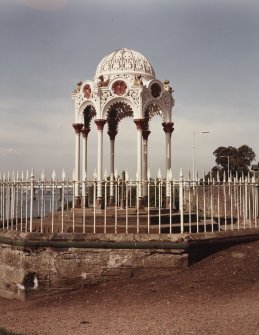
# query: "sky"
209,50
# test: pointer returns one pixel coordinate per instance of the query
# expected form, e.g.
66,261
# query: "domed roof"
125,61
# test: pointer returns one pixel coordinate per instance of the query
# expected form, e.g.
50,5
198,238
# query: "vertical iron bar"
181,200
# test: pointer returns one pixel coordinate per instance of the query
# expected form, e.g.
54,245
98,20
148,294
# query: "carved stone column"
77,199
100,124
168,129
112,134
84,132
145,135
139,125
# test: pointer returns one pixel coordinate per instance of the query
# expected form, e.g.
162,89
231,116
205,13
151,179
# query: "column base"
77,202
167,202
99,203
140,203
112,201
122,203
84,201
145,200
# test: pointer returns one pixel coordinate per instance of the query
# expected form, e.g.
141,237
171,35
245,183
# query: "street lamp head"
200,132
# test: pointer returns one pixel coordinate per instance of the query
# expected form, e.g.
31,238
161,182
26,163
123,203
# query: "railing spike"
116,173
181,173
127,175
218,178
159,174
170,174
63,175
53,175
74,175
95,174
42,176
105,174
148,174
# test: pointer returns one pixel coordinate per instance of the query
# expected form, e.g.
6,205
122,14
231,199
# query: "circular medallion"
155,90
119,87
87,91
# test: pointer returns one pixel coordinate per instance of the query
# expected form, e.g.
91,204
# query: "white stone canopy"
124,85
125,61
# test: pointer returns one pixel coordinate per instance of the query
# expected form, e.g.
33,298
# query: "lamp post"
193,149
226,156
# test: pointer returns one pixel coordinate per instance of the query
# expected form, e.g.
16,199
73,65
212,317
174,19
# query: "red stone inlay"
145,134
155,90
87,91
139,123
85,132
168,127
78,127
112,134
119,87
100,123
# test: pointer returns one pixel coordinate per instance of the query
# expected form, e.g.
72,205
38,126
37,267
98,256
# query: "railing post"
31,200
181,200
62,200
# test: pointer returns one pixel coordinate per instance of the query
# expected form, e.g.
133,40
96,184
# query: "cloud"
7,151
48,5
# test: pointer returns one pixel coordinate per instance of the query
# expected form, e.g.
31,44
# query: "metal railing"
167,206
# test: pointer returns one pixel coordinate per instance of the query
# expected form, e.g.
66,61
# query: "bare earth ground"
218,295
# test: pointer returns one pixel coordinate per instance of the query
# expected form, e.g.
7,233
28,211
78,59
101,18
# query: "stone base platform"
35,264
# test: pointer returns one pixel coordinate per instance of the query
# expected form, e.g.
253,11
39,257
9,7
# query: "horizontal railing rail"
167,206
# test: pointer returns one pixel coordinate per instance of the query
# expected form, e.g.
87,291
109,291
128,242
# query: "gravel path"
218,295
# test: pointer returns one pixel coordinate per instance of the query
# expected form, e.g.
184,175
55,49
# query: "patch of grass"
6,332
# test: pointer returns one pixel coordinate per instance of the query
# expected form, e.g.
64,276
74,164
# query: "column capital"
85,132
168,127
139,123
145,134
78,127
100,123
112,134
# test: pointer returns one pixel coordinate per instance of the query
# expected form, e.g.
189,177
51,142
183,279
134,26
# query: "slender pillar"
112,134
77,127
145,134
168,129
139,125
84,132
100,124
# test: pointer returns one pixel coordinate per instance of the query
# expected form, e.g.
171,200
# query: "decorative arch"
88,114
83,107
123,102
116,112
154,108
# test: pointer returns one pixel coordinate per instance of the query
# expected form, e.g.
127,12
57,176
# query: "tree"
233,160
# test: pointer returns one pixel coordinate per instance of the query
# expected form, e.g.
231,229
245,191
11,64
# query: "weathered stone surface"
24,270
